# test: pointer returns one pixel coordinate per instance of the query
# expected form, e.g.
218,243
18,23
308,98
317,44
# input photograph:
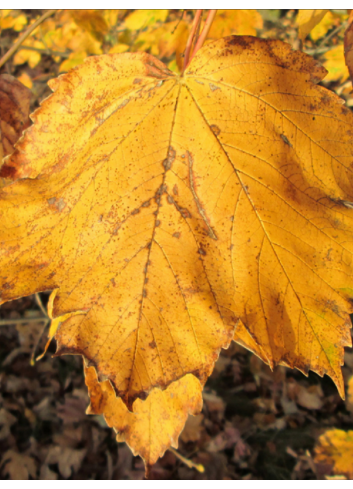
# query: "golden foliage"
185,211
11,19
335,449
156,423
335,64
240,22
140,19
307,19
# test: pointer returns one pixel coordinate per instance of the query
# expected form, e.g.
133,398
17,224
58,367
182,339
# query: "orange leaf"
156,423
182,204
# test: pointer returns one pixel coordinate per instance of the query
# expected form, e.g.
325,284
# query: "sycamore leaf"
14,111
182,204
156,423
307,19
335,449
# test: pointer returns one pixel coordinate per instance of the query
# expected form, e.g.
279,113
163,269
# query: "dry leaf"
307,19
182,204
14,111
18,466
335,449
6,421
156,423
69,460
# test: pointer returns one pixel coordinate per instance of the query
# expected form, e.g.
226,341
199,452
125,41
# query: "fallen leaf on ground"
18,466
310,397
193,429
69,460
335,449
6,421
156,423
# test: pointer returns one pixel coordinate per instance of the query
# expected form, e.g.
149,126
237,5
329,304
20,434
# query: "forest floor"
255,423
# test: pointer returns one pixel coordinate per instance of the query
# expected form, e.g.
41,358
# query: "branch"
24,36
195,24
210,17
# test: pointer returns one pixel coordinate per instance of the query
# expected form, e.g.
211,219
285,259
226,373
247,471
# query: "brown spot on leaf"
215,129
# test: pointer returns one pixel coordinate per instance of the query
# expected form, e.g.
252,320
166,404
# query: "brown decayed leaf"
18,466
14,111
182,204
156,423
307,19
335,449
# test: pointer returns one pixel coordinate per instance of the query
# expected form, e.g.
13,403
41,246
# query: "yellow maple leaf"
335,449
185,210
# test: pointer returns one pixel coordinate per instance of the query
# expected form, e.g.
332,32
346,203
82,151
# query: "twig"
9,322
40,305
35,346
199,467
24,36
210,17
313,52
49,52
333,33
197,19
